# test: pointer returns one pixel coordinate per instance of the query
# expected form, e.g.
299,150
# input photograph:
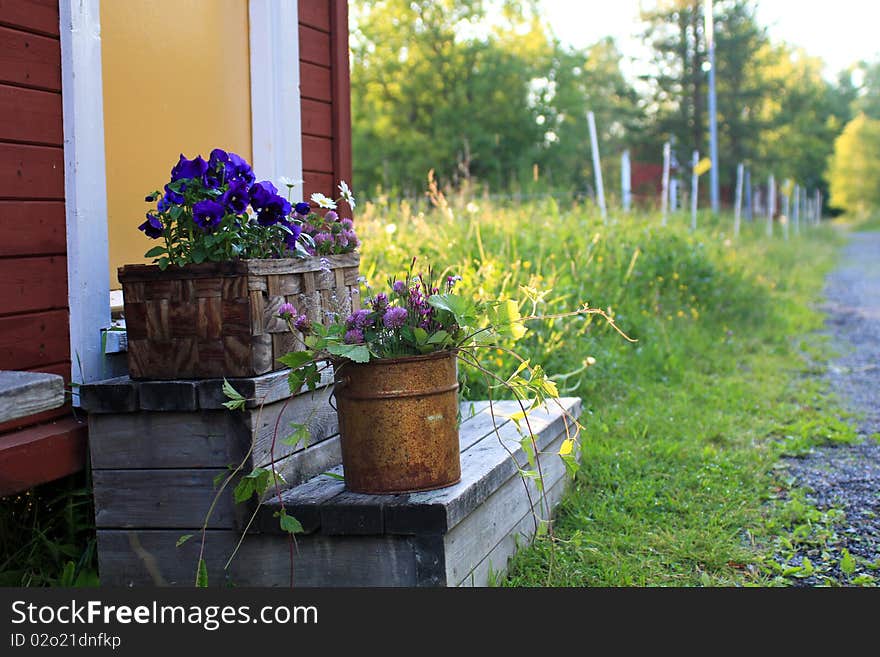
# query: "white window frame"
276,122
276,129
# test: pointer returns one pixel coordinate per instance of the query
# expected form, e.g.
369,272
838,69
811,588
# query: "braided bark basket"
220,319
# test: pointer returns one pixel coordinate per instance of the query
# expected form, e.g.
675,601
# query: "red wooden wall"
33,265
326,94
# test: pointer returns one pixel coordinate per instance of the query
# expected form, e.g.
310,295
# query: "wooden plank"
314,82
484,467
315,181
32,228
27,393
30,60
303,464
272,423
59,369
341,90
317,118
30,284
315,13
168,395
495,562
151,558
165,499
42,453
117,395
303,502
31,172
30,340
39,16
318,153
208,439
30,115
314,45
259,390
266,267
476,535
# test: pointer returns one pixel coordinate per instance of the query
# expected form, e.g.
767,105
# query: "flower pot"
398,420
220,319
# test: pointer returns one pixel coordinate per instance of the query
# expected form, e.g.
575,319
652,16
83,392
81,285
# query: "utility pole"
713,119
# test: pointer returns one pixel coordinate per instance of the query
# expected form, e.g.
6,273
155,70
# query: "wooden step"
459,535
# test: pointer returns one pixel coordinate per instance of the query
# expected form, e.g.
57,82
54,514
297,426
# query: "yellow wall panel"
176,80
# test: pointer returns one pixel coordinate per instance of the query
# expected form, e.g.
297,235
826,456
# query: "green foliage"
47,535
417,65
682,428
854,169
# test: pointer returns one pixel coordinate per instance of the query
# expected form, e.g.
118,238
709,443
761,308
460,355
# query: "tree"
854,168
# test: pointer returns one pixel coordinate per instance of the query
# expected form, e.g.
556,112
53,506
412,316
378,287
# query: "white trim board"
85,186
276,122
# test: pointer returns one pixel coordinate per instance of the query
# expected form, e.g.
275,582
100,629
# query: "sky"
841,32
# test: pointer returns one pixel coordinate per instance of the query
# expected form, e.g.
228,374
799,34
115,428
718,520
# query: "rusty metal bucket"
398,420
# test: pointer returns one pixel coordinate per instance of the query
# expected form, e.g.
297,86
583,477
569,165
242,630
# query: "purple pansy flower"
394,317
303,208
189,168
237,168
262,193
236,198
175,197
152,227
208,214
273,211
292,237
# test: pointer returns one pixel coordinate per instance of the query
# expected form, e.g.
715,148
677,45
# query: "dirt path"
848,477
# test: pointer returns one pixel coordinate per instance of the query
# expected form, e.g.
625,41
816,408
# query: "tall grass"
685,426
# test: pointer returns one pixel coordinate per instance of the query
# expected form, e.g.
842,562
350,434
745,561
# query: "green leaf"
183,539
354,352
289,524
219,478
420,334
202,577
333,475
464,310
847,563
506,320
163,263
155,251
229,391
243,491
296,359
438,338
235,405
301,434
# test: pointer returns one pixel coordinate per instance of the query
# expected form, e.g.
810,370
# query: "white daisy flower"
346,193
323,201
284,181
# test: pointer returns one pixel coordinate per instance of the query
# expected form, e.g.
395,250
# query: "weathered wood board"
27,393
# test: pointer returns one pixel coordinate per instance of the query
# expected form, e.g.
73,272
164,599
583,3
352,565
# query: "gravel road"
848,477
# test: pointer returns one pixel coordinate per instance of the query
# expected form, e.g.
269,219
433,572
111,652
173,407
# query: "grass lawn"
686,427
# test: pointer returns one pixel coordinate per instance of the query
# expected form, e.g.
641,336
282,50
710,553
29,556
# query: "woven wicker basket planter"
219,319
